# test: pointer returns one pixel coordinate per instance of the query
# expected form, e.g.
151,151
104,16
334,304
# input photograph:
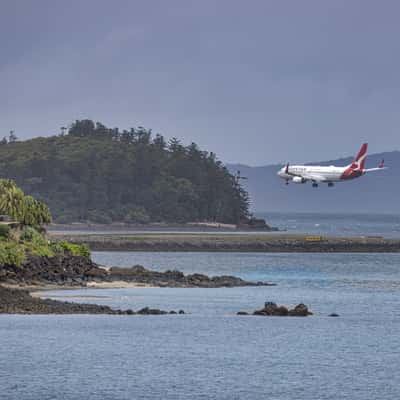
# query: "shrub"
74,249
4,231
35,242
39,249
11,253
29,234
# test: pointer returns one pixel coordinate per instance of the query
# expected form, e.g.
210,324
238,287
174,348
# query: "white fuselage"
321,174
328,174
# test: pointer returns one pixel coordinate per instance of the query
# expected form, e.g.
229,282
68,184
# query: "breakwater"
234,242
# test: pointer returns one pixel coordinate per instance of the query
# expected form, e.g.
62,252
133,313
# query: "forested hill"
104,175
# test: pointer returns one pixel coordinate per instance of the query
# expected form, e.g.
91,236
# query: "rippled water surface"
345,224
211,353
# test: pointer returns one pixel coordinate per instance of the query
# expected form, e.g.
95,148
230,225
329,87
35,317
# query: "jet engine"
298,179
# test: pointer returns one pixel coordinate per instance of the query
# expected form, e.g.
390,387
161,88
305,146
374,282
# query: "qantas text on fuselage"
328,174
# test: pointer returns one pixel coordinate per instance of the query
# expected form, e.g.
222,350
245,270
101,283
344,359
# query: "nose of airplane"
279,173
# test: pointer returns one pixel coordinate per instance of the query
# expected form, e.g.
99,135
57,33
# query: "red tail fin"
359,162
381,164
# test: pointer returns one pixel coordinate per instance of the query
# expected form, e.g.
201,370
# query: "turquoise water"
211,353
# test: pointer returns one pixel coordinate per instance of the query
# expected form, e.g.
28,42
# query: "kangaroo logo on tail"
359,162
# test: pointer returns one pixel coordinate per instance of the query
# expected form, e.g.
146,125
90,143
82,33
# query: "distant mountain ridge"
378,192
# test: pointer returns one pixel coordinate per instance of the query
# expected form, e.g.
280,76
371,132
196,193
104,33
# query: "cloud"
260,82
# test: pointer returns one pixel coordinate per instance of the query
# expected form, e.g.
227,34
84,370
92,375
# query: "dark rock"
138,269
181,312
18,301
78,271
272,309
333,315
55,270
173,278
282,311
254,223
150,311
300,310
242,313
96,272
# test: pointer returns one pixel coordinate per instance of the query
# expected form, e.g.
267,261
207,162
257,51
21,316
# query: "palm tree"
11,199
29,215
25,209
43,215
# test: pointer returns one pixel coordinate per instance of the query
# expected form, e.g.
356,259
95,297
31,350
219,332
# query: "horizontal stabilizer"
380,167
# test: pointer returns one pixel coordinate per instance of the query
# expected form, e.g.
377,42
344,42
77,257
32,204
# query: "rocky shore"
140,274
19,301
76,271
234,242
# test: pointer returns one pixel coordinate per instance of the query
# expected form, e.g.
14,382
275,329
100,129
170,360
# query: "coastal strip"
61,272
19,301
74,272
268,243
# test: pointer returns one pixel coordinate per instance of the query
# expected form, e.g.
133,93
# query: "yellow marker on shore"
313,238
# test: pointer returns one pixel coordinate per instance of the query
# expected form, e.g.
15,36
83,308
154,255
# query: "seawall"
232,243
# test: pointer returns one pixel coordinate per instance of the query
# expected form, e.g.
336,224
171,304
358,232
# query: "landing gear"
315,184
330,184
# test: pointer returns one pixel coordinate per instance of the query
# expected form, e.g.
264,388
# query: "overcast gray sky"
257,82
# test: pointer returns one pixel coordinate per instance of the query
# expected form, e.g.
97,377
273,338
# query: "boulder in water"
272,309
301,310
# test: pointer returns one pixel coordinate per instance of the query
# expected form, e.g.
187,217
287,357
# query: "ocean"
210,352
386,225
334,224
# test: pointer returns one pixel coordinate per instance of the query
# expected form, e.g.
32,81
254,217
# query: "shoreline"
22,286
238,242
20,301
201,227
92,285
69,272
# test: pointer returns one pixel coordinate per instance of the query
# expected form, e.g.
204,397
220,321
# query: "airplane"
322,174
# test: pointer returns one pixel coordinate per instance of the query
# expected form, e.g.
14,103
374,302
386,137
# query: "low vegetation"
22,231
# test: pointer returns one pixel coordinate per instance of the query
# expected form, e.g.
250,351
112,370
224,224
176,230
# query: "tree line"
100,174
